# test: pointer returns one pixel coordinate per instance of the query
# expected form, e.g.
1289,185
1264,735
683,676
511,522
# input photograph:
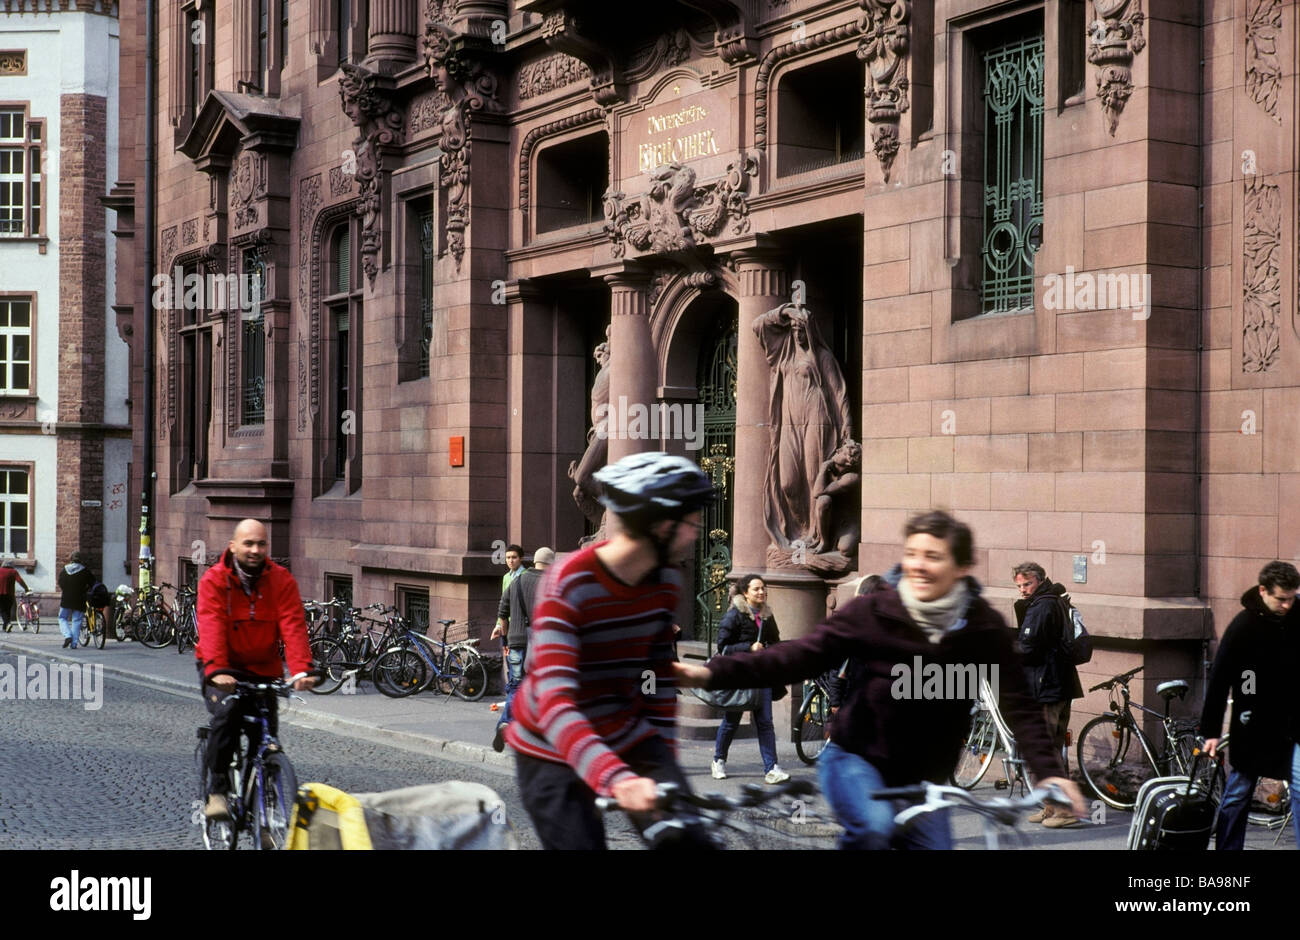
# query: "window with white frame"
20,174
15,346
15,512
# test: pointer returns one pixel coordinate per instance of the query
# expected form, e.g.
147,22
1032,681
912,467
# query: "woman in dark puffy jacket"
748,625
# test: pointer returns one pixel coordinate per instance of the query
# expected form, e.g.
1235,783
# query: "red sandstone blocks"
1056,373
895,490
886,244
1053,531
884,455
992,530
1281,424
1114,491
960,492
896,419
1101,411
885,280
885,385
994,377
1114,450
930,454
1248,536
1097,329
927,383
1247,494
1233,452
960,417
999,452
1025,414
1114,368
1024,491
1056,451
894,314
897,349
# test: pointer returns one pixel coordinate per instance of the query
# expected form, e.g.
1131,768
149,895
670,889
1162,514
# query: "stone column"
762,278
633,366
392,34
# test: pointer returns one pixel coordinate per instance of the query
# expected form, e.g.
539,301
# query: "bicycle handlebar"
1121,679
669,796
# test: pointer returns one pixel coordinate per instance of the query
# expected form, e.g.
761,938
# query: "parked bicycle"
263,786
1116,756
93,628
154,626
686,819
988,736
186,617
351,656
29,612
813,730
998,814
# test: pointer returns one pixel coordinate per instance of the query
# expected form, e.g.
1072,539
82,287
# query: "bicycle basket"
452,815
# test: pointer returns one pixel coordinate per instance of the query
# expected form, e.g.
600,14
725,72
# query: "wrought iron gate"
716,383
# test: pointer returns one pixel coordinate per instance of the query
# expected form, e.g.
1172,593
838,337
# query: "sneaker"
1038,816
719,770
776,775
216,807
499,739
66,642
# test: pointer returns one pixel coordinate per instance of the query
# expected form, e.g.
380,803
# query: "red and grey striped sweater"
599,671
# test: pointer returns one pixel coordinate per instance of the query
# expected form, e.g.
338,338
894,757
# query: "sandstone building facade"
1049,245
64,435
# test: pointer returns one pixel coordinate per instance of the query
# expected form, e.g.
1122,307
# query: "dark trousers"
224,727
6,609
563,807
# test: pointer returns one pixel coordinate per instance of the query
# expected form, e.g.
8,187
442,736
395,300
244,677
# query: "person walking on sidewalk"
8,593
1052,677
883,736
74,581
749,626
596,713
1258,660
517,608
247,606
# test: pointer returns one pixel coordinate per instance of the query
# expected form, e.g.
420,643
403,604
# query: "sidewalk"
456,730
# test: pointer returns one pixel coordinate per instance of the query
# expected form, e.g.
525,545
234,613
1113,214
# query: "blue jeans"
762,721
70,623
514,676
848,781
1230,830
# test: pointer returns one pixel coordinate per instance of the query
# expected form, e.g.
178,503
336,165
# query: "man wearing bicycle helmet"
247,604
596,712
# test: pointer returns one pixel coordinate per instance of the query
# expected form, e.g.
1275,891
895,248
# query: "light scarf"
934,617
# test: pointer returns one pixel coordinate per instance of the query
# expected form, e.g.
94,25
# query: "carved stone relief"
674,213
341,182
380,125
1263,68
422,114
778,54
551,73
167,415
309,199
1261,276
190,232
884,48
1114,39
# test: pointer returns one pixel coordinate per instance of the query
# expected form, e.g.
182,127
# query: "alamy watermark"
641,422
942,681
78,893
1088,291
76,682
181,291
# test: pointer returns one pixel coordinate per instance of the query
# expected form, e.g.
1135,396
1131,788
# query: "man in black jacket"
1258,659
74,581
1053,680
516,612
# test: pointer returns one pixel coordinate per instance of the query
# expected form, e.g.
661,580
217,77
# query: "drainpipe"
150,163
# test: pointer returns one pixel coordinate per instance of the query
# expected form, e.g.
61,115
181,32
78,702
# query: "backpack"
99,596
1076,642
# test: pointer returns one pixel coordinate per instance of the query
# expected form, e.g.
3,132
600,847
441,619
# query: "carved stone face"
602,354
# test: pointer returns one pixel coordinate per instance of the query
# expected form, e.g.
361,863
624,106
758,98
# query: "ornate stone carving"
464,86
341,182
774,57
309,199
812,459
580,471
168,245
247,181
884,45
190,232
13,63
167,415
1114,39
422,114
380,125
1261,276
536,135
548,74
1263,69
564,33
668,50
674,212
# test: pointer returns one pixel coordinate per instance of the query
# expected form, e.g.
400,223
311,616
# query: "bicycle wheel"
1113,762
977,751
332,659
84,635
276,795
157,629
98,629
400,672
473,674
814,723
218,834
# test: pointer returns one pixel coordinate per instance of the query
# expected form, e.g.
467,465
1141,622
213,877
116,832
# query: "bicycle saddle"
1173,688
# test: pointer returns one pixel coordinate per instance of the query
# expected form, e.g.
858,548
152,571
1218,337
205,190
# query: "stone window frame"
198,328
28,560
790,67
961,331
189,57
30,298
261,70
332,302
30,143
413,186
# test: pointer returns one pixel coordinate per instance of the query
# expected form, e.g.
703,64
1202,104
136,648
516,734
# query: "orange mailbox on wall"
456,451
